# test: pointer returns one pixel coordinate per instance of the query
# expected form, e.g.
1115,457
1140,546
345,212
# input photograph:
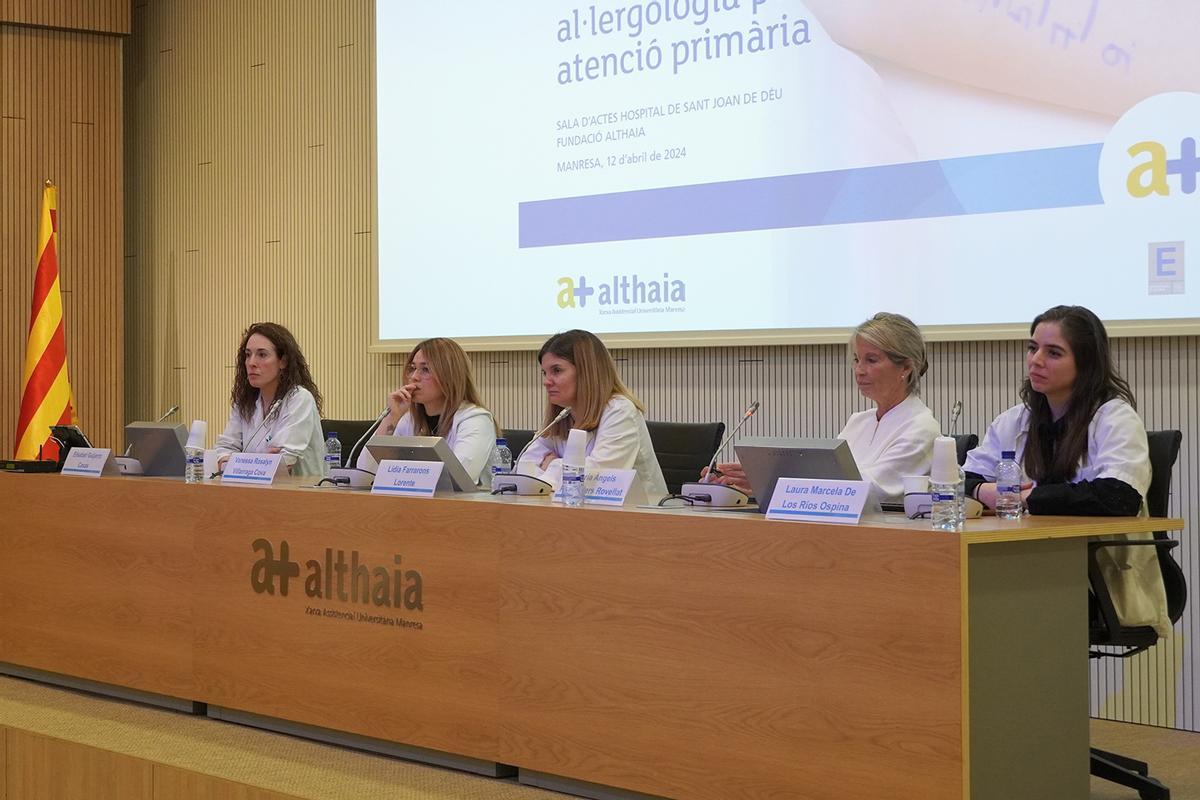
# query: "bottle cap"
1009,454
197,433
331,435
945,461
502,442
576,450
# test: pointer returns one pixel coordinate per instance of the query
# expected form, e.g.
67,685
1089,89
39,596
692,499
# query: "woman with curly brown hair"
275,407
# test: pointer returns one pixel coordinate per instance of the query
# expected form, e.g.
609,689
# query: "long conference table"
671,653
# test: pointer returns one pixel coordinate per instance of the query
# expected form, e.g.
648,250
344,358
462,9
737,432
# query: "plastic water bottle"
946,486
572,485
193,453
960,498
1008,486
501,463
945,506
573,468
333,451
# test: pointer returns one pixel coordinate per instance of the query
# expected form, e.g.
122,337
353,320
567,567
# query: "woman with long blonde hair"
439,398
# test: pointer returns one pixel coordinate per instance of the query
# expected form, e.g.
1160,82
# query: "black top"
1102,497
433,424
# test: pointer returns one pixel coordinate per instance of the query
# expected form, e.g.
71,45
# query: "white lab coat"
472,438
1116,449
888,449
620,441
295,429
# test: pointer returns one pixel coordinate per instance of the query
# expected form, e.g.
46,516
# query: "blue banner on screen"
747,165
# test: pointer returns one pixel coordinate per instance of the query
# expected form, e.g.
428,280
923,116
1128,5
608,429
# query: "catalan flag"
46,397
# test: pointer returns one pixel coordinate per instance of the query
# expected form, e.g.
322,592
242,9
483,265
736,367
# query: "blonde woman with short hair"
895,438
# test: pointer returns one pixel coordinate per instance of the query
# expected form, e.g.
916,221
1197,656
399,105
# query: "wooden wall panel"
171,783
52,769
60,119
3,763
250,173
98,16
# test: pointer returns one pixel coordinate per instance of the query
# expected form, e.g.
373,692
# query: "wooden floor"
1173,756
183,751
59,742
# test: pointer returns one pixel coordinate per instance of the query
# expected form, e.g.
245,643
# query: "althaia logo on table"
622,291
337,578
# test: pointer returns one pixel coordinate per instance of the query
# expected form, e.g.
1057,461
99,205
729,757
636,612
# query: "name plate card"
407,478
603,487
252,468
89,462
813,500
608,487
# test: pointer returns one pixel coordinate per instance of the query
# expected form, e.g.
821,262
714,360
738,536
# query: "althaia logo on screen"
1149,158
1150,175
629,292
336,579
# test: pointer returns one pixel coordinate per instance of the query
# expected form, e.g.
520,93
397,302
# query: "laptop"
766,459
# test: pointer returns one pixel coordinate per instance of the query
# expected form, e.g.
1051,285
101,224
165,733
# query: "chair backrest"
349,431
1164,451
963,444
517,439
684,448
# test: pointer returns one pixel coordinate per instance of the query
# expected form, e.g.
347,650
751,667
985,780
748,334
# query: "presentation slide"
673,166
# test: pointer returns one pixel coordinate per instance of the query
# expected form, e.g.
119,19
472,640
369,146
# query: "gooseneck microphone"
712,465
954,415
561,416
351,458
516,483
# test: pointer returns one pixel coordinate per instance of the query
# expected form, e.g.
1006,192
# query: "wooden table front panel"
421,676
96,580
718,657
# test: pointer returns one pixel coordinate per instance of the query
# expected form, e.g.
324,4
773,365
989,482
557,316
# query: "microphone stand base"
515,483
721,496
128,466
359,478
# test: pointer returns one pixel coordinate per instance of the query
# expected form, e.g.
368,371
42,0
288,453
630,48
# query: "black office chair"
684,448
963,444
1107,637
349,431
517,439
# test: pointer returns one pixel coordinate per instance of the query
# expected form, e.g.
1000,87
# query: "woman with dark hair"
274,406
439,398
579,373
1083,448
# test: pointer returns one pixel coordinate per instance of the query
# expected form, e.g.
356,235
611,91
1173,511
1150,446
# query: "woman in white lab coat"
439,398
578,373
1083,448
895,438
275,407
